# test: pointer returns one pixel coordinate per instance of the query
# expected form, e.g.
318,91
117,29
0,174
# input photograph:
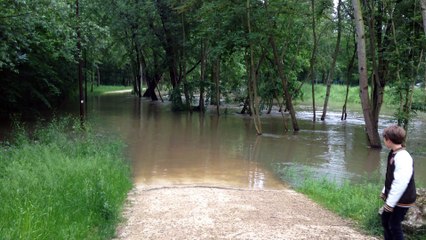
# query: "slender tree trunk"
372,132
398,76
383,63
98,76
216,74
246,106
138,68
202,75
92,79
423,9
85,82
408,101
252,79
80,64
188,98
280,69
333,64
348,78
287,95
151,78
313,59
377,83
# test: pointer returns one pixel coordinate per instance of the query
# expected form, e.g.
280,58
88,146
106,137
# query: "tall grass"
61,182
357,201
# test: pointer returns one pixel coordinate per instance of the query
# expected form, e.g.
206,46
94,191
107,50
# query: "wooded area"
251,51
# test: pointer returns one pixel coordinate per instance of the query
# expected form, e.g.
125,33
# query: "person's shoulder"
403,154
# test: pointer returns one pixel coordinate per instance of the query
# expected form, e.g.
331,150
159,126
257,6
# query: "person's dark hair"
394,133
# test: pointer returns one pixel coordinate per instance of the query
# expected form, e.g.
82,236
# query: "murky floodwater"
170,148
179,148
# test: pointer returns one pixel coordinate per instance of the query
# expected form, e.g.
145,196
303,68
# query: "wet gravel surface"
207,212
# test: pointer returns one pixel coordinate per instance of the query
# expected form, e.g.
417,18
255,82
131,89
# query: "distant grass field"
61,182
104,89
338,93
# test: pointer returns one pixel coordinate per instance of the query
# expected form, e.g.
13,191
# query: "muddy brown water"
181,148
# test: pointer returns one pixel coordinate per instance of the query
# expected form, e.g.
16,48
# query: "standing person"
399,192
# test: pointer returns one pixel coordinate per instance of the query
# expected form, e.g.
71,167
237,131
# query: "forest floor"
209,212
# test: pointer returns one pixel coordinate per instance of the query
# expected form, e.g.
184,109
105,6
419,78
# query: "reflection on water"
180,148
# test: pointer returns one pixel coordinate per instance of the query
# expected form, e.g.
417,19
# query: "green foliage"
38,47
34,53
63,182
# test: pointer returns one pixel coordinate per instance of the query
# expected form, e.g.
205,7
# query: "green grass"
338,93
356,201
105,89
61,183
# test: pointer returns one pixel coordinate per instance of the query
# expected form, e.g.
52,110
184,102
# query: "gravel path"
203,212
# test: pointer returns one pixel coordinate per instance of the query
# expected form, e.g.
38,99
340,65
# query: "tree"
36,51
370,124
252,82
284,79
334,60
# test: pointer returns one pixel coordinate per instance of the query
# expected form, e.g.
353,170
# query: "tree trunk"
423,9
202,75
80,64
246,106
348,78
216,77
98,76
92,79
287,95
313,59
169,45
254,101
333,64
372,132
138,68
188,98
377,81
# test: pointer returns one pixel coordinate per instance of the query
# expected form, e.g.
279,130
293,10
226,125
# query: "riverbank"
61,182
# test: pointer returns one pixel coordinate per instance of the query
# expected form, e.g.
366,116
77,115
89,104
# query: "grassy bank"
338,93
359,202
105,89
61,182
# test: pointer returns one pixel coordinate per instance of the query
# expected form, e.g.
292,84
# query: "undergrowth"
61,182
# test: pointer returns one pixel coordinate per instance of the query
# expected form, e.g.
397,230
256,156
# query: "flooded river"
180,148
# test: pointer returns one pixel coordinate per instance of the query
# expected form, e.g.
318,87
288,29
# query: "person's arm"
382,194
402,176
